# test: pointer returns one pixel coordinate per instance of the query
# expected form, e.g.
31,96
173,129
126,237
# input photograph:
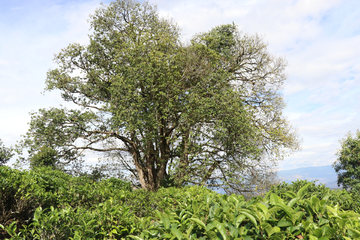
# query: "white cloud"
27,53
3,62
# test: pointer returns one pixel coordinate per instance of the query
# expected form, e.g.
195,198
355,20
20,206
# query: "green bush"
45,157
346,200
48,204
21,192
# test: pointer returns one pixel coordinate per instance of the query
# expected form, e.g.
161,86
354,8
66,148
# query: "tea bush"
346,200
48,204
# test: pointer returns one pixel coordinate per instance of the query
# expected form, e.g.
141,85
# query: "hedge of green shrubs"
47,204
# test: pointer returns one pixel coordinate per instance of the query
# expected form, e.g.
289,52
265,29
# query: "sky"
320,39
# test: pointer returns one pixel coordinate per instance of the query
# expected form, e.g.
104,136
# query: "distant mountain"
325,175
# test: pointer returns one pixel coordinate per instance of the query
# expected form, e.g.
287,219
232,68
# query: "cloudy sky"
319,38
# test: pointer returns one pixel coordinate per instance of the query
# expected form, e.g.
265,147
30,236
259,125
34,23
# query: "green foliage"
5,153
61,206
346,200
171,113
23,191
347,164
45,157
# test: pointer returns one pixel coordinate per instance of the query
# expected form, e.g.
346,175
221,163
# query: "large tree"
347,165
169,112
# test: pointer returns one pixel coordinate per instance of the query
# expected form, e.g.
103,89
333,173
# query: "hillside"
325,175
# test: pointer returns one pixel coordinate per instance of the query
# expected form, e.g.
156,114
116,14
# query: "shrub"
346,200
49,204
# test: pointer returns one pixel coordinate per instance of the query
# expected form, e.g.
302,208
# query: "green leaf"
302,190
239,220
353,232
311,237
274,230
211,235
284,223
293,201
249,216
262,207
198,221
296,217
221,229
210,226
323,221
234,232
177,233
292,215
267,227
135,237
275,199
166,223
290,194
248,238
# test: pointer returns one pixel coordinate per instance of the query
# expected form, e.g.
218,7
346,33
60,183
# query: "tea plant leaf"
221,229
302,190
188,232
234,232
293,201
177,233
333,210
323,221
198,221
210,226
288,211
275,199
250,217
284,223
311,237
354,233
296,217
267,227
239,220
263,208
248,238
212,235
166,223
290,194
274,230
135,237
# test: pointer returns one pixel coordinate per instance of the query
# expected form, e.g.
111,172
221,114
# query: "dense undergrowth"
48,204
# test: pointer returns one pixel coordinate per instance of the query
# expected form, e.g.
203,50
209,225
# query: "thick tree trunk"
150,177
151,167
184,160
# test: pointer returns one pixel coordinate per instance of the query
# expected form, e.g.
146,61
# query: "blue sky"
319,38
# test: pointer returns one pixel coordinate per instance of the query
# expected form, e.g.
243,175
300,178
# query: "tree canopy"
347,165
45,157
5,153
169,112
